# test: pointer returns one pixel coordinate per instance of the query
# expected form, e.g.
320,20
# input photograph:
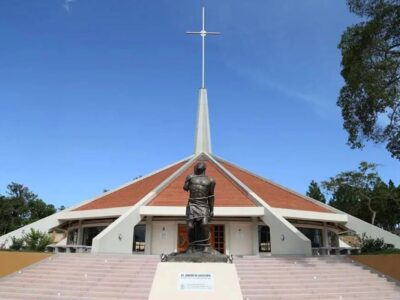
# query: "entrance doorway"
264,239
139,238
217,237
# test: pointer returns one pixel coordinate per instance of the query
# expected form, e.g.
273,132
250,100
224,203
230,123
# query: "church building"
252,215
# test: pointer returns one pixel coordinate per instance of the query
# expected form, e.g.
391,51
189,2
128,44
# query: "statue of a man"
200,208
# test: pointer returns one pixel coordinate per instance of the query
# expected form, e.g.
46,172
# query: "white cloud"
67,5
321,105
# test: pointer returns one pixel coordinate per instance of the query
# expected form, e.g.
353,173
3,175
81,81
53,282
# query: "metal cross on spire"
203,33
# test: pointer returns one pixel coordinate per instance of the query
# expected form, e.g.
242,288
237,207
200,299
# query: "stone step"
89,270
266,275
311,280
83,284
318,290
336,296
70,289
306,270
46,296
290,285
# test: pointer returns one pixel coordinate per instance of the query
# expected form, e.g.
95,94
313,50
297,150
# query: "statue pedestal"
195,281
212,256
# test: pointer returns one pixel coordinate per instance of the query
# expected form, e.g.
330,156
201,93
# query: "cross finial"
203,33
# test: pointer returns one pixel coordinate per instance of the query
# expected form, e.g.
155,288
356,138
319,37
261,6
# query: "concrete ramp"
83,276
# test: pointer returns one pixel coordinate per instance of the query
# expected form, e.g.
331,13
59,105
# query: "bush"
371,245
17,243
36,240
3,245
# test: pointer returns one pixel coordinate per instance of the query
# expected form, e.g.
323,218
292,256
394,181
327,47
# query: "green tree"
20,207
353,191
38,209
6,218
387,202
370,98
314,192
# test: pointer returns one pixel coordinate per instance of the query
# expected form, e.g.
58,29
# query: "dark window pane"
89,233
139,238
314,235
72,237
264,240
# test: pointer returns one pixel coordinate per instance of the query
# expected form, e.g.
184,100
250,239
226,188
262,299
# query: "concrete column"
148,237
325,236
80,233
227,238
175,233
255,240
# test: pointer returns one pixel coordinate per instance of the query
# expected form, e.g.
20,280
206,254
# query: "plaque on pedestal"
195,281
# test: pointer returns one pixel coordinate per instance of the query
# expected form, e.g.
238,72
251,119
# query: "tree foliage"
370,98
363,194
314,192
20,206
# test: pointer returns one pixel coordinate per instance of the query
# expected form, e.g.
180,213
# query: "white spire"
203,136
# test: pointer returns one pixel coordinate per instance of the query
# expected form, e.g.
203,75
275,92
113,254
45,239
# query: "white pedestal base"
195,281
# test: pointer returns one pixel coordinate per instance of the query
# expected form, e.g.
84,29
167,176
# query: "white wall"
285,238
241,238
164,237
118,237
360,227
238,237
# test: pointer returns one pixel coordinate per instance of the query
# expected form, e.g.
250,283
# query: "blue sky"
94,93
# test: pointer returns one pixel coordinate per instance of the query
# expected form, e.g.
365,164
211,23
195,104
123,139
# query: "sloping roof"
132,193
271,193
227,193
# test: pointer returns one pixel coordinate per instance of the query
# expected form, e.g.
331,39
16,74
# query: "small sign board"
195,282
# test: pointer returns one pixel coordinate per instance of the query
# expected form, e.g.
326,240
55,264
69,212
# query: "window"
219,240
72,237
139,237
264,240
89,233
314,235
333,239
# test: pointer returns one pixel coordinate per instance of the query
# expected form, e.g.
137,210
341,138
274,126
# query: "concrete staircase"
308,278
83,276
100,277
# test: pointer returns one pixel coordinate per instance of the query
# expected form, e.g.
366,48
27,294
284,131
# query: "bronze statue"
200,208
199,211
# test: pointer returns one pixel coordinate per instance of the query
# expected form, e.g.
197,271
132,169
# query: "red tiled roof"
226,192
131,194
274,195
